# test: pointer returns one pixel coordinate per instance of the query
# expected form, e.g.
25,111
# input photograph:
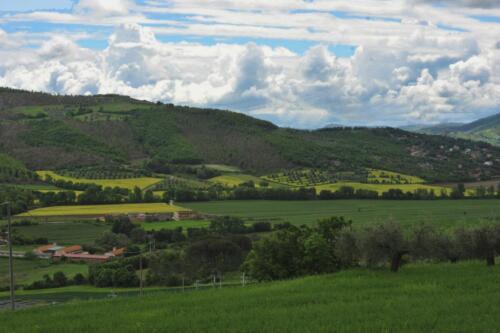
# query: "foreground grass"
446,213
421,298
128,183
91,210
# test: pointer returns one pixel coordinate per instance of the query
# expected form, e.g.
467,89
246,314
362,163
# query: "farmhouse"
75,253
185,215
83,257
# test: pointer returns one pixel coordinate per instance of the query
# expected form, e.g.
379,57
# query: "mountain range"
44,131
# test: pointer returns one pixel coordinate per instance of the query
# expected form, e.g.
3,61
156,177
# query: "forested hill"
43,131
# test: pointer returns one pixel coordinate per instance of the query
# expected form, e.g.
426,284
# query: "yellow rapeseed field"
91,210
129,183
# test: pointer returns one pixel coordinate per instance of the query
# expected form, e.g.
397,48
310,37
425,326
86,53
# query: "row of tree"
334,245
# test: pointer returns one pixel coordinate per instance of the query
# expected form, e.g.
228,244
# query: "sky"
298,63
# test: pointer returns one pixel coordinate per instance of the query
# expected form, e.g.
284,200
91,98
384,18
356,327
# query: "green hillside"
12,170
106,131
485,129
421,298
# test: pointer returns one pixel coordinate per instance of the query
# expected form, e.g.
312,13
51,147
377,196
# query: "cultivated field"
99,210
128,183
421,298
446,213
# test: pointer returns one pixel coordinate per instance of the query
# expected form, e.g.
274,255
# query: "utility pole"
11,261
140,269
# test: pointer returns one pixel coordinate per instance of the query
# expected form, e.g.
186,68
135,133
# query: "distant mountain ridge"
53,132
485,129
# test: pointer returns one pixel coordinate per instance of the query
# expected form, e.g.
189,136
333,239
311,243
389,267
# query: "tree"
123,225
110,240
318,257
60,279
486,243
347,248
458,192
149,196
104,278
227,224
79,279
383,243
279,256
125,277
138,235
424,242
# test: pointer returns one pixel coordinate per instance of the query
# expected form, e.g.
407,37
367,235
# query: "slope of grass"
128,183
97,210
421,298
446,213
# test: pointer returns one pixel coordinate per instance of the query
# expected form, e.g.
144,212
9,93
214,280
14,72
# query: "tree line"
334,245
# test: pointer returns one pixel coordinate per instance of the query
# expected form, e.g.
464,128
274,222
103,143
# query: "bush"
261,227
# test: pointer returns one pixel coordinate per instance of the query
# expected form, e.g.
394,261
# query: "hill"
485,129
67,132
420,298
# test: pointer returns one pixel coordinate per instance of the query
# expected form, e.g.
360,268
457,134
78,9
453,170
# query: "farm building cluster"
75,253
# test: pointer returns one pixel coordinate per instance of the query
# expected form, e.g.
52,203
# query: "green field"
175,224
421,298
99,210
445,213
65,233
28,271
32,111
128,183
35,187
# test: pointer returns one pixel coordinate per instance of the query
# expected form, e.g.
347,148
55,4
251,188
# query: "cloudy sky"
300,63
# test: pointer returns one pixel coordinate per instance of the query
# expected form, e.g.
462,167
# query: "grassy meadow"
128,183
148,226
446,213
65,233
96,210
28,271
421,298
